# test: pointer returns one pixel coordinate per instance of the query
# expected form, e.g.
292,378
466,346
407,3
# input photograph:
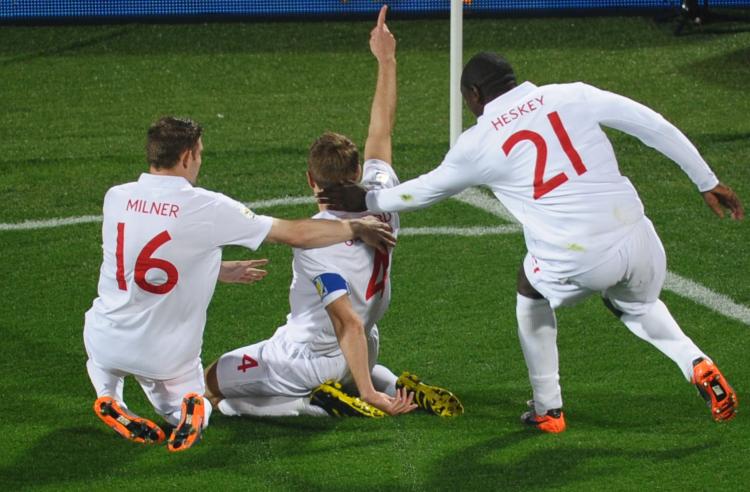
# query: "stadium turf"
76,102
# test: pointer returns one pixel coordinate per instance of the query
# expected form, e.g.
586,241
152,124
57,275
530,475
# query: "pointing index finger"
381,16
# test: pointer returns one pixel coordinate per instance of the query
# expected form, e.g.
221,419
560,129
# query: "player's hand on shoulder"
374,233
403,402
382,42
242,271
722,196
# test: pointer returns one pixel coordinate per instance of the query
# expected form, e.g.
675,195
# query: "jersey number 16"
144,263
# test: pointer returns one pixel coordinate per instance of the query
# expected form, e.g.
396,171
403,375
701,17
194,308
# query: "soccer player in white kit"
162,239
542,152
328,347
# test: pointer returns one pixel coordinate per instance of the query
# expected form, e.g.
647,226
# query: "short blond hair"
333,159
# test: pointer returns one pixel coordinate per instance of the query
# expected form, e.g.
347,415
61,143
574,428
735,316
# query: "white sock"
537,332
269,406
659,328
207,409
384,380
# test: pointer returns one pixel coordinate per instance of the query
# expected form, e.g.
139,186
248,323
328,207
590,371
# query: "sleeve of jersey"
452,176
329,284
626,115
378,174
236,224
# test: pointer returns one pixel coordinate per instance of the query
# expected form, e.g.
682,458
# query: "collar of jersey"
510,96
164,181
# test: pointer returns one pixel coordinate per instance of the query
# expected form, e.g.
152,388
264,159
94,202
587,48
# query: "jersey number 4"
144,263
542,187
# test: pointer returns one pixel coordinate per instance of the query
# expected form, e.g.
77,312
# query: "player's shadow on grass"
553,461
73,454
730,70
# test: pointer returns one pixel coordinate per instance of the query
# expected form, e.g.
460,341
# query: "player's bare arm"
315,233
350,333
721,197
242,271
383,111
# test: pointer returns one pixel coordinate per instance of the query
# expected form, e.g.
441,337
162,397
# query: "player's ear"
310,180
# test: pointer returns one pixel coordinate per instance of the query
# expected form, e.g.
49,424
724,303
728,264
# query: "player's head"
174,144
485,77
333,159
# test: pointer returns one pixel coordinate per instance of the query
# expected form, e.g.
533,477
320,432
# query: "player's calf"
129,426
713,387
432,399
190,429
330,397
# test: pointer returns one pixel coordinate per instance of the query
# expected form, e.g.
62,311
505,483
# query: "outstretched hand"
348,196
721,197
242,272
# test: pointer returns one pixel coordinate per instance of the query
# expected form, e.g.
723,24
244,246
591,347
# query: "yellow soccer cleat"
433,399
330,397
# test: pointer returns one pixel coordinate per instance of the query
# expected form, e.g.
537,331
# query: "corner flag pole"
456,61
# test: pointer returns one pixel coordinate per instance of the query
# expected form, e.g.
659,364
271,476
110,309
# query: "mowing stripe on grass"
679,285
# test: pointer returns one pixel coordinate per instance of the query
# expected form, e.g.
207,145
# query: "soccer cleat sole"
715,390
129,426
330,397
432,399
190,429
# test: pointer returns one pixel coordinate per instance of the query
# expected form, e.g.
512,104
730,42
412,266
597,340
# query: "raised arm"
383,111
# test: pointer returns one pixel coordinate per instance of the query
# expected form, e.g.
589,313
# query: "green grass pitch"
76,102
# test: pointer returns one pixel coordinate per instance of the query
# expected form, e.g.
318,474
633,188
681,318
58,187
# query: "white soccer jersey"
320,276
542,152
161,241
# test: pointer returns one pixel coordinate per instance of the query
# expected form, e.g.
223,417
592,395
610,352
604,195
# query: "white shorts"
165,395
276,367
631,280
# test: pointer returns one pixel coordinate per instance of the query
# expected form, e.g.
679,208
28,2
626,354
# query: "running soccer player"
162,238
542,152
329,345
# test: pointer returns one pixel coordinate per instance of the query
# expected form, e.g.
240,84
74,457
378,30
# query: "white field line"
706,297
679,285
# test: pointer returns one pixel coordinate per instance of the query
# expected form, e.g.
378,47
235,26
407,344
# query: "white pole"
456,63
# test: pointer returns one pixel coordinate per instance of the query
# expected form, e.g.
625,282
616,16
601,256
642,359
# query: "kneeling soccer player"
330,341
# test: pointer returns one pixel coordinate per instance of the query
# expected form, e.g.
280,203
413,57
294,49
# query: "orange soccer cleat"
713,387
188,432
129,426
553,421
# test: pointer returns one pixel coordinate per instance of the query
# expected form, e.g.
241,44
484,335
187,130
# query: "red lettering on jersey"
247,363
517,112
152,208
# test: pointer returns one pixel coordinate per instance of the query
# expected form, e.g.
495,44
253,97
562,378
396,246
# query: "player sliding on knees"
162,239
542,152
323,360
